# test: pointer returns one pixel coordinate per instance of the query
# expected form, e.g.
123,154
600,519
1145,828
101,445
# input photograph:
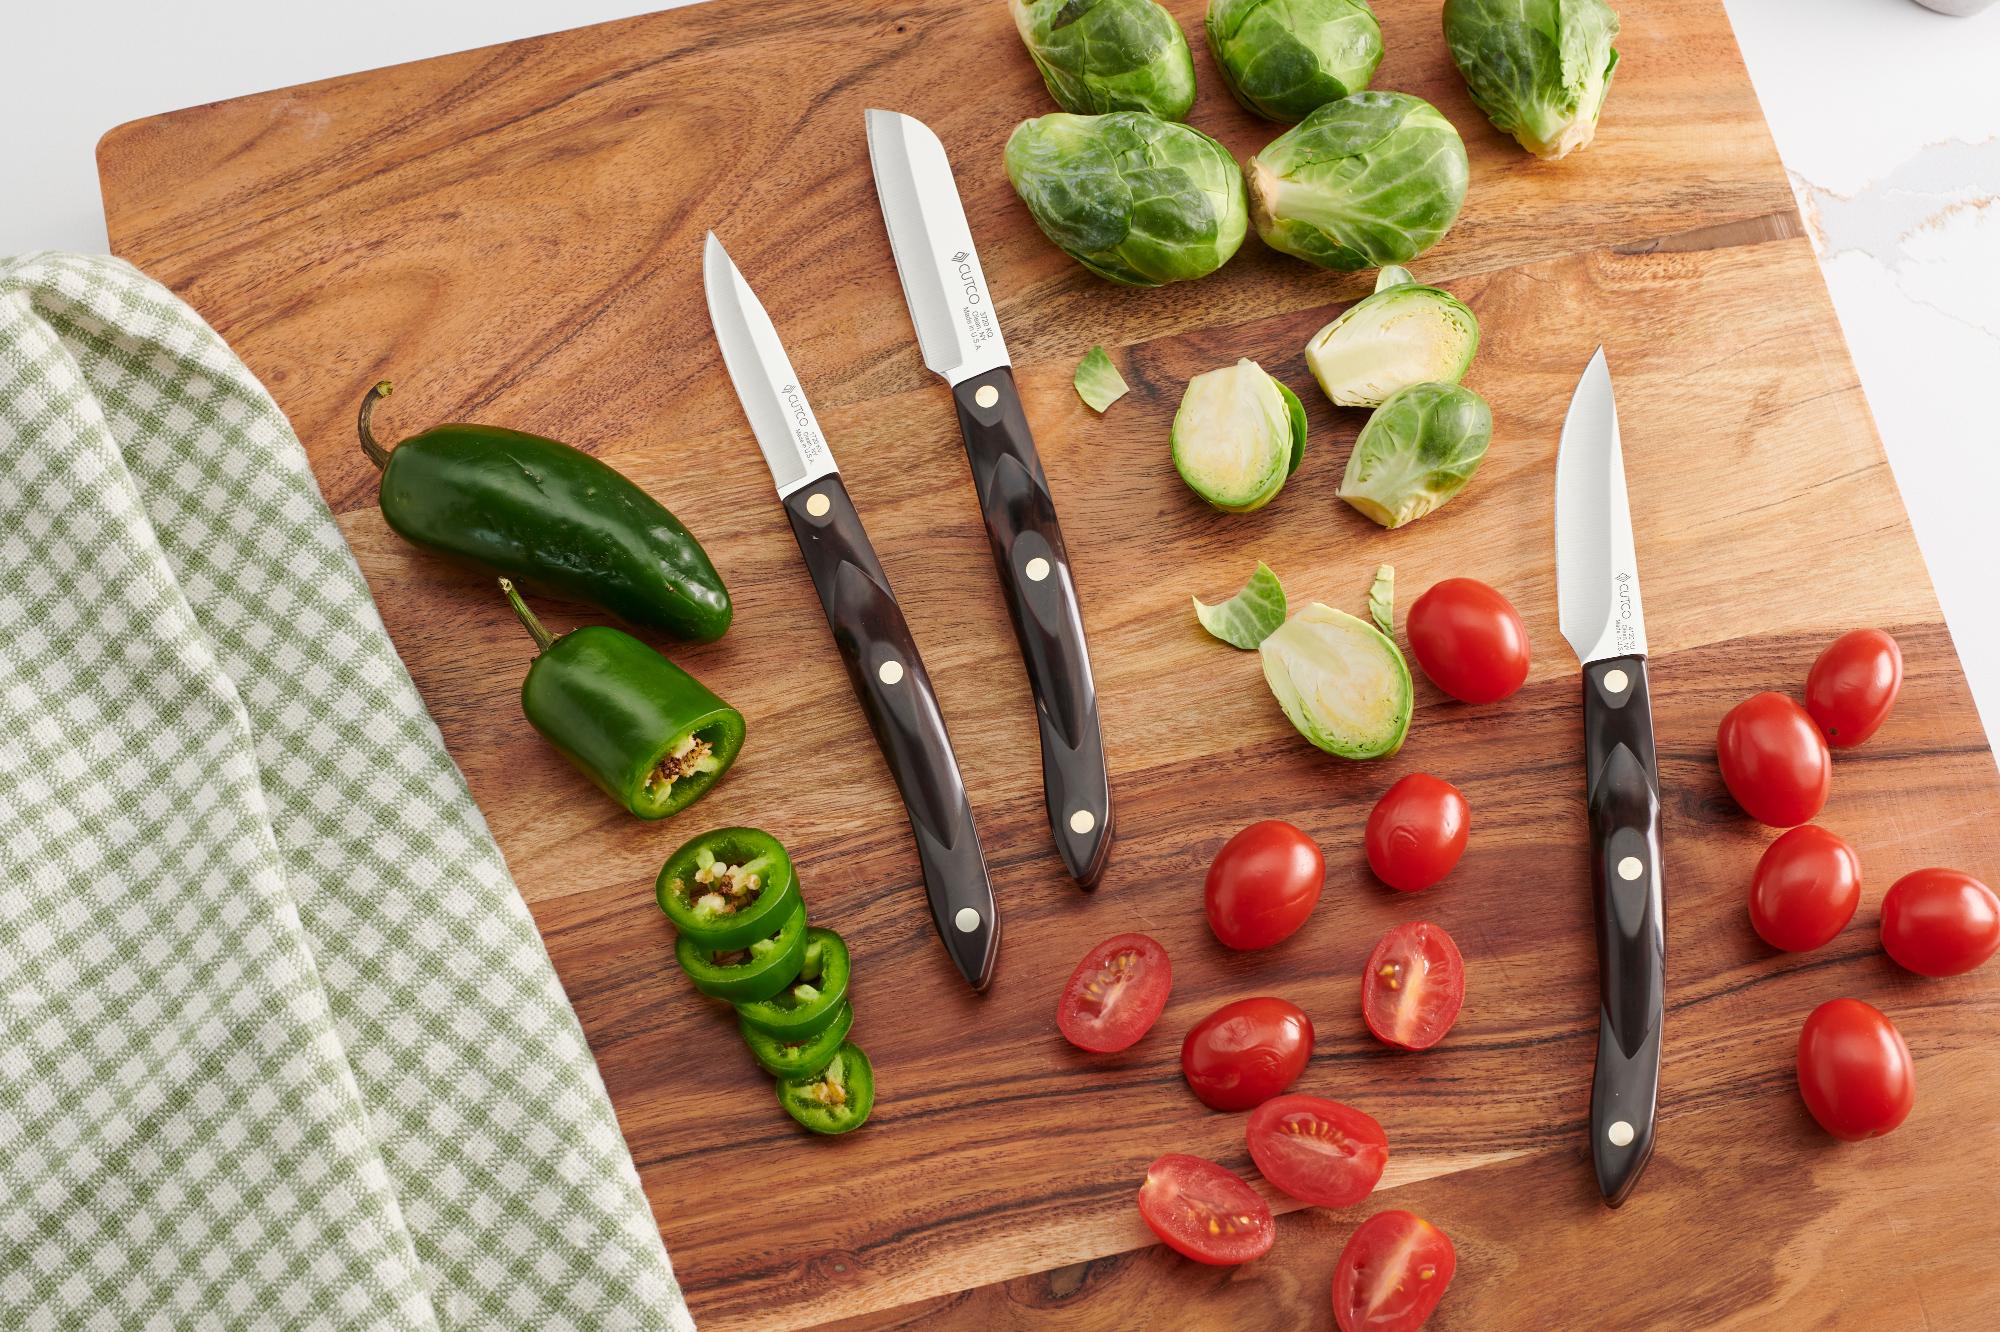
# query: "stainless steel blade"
1597,571
942,284
780,417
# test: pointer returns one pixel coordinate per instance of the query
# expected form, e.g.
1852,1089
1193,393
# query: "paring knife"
868,626
1597,601
959,333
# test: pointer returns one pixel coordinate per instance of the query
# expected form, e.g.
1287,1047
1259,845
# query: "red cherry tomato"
1263,884
1416,832
1805,889
1853,684
1245,1053
1392,1274
1115,994
1413,986
1773,760
1938,922
1319,1151
1205,1212
1855,1071
1469,640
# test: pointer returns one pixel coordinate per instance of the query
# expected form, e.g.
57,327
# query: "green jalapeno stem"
369,444
527,617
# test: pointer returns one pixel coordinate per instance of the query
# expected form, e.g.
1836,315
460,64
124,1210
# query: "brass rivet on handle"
890,672
986,395
817,505
967,920
1037,569
1615,681
1082,822
1630,868
1620,1133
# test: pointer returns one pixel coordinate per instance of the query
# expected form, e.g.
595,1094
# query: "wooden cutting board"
514,234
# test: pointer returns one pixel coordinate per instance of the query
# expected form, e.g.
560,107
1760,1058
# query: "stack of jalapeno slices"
734,898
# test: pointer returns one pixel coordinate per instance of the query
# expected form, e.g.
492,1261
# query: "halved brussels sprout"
1131,197
1375,178
1284,58
1238,434
1539,69
1342,681
1109,55
1404,334
1418,450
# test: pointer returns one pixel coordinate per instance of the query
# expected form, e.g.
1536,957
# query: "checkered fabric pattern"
279,1043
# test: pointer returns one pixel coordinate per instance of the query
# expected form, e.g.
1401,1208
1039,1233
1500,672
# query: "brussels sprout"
1131,197
1109,55
1238,434
1418,450
1246,619
1402,335
1283,58
1372,179
1539,69
1342,681
1382,598
1097,381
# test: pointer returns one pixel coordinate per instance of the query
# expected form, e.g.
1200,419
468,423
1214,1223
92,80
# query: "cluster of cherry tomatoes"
1854,1069
1260,889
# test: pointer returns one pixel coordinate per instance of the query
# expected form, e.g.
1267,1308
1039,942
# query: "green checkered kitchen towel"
279,1044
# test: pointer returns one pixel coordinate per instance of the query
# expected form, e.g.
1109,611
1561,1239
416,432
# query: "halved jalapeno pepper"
745,975
807,1005
803,1057
728,888
838,1098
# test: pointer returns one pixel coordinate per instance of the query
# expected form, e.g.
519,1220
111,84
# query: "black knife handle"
895,691
1034,569
1625,875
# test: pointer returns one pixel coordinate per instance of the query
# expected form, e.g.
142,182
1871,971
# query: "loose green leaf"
1246,619
1098,382
1382,598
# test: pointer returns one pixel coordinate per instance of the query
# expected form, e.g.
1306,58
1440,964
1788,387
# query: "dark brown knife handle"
1034,570
895,691
1626,879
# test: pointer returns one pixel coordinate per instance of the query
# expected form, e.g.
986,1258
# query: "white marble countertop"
1887,116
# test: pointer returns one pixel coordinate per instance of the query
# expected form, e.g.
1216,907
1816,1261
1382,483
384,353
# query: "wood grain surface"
514,235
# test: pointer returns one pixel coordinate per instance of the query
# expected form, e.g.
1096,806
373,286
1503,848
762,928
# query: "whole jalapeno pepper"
745,975
551,517
800,1057
728,887
651,735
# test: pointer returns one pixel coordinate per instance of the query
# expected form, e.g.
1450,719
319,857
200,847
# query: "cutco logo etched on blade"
1622,630
803,428
963,262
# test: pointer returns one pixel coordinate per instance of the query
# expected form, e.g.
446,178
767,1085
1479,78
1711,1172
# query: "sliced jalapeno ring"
807,1005
802,1058
838,1098
728,888
745,975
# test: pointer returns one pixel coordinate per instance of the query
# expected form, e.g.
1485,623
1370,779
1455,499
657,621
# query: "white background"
1886,115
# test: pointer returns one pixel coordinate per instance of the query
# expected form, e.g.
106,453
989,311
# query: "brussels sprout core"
1341,681
1404,334
1237,436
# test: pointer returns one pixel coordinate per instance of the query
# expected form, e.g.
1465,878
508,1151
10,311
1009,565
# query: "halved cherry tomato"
1853,684
1263,884
1413,986
1392,1274
1205,1212
1245,1053
1416,832
1116,993
1854,1070
1773,760
1319,1151
1938,922
1806,887
1469,640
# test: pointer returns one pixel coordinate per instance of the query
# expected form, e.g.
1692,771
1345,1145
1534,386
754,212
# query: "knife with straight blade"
1597,602
959,334
868,626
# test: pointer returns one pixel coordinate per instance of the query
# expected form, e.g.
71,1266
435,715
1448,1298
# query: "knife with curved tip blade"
959,333
868,626
1598,607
